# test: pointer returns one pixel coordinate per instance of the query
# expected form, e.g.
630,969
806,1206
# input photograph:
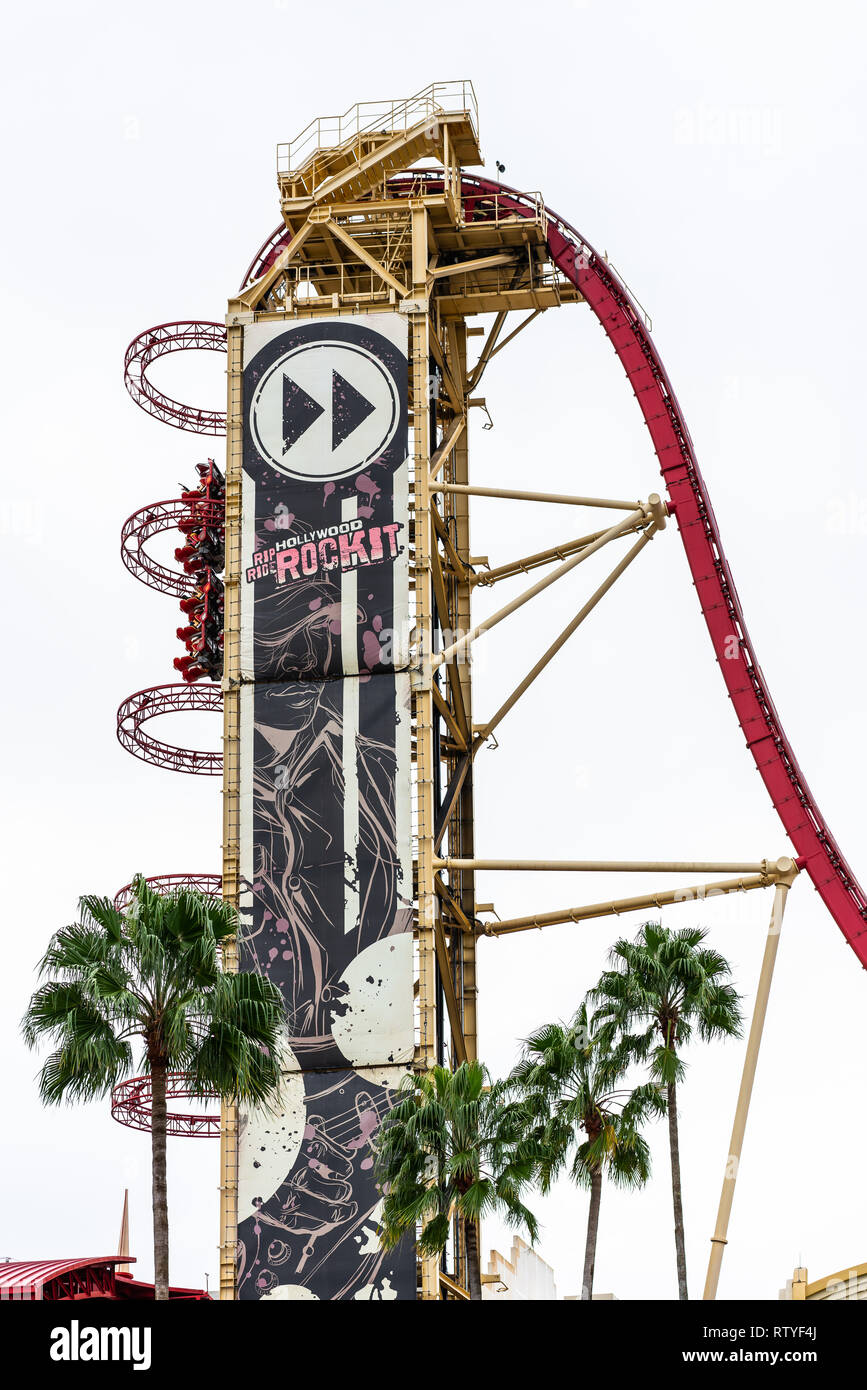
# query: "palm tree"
668,983
153,972
452,1146
568,1080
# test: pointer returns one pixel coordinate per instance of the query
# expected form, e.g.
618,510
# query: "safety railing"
369,117
497,208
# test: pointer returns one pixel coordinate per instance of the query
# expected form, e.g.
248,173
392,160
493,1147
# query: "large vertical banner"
326,849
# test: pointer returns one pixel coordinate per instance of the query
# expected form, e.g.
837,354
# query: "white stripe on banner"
246,798
350,683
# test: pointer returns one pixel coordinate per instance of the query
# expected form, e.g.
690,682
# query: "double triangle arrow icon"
349,409
300,411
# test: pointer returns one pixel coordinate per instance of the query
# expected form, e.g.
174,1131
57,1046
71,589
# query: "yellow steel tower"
381,222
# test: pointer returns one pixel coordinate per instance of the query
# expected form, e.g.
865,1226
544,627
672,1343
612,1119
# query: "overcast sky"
716,152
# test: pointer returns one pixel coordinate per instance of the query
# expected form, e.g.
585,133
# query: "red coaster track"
132,1100
183,336
164,883
137,529
137,709
621,318
815,846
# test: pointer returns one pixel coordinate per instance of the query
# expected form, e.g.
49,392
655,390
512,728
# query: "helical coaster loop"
182,336
164,883
132,1105
137,709
138,529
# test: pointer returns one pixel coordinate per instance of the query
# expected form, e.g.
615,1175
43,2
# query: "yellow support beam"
364,255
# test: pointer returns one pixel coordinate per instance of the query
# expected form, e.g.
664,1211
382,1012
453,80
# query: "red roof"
26,1279
127,1287
60,1280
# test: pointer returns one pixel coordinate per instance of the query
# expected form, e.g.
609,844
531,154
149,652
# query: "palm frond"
454,1144
153,970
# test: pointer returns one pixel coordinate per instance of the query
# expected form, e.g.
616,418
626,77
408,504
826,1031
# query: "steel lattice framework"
152,521
137,709
132,1104
164,338
164,883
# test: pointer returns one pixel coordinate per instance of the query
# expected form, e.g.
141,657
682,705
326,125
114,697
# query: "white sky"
717,154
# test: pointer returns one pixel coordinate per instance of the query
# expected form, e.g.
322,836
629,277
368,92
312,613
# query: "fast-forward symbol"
325,410
349,409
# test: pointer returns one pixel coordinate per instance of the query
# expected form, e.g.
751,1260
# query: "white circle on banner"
324,410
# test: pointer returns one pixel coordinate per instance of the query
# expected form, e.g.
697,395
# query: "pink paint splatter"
332,613
370,650
365,484
369,1123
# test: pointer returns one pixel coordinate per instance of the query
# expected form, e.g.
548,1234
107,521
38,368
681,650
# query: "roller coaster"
386,233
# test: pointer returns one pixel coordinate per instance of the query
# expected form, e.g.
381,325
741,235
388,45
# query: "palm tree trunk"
159,1188
676,1192
474,1269
592,1233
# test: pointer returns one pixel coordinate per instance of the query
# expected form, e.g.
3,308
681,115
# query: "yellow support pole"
696,892
719,1239
423,697
231,782
462,643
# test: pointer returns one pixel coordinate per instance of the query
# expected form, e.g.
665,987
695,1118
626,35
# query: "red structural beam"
164,338
137,709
